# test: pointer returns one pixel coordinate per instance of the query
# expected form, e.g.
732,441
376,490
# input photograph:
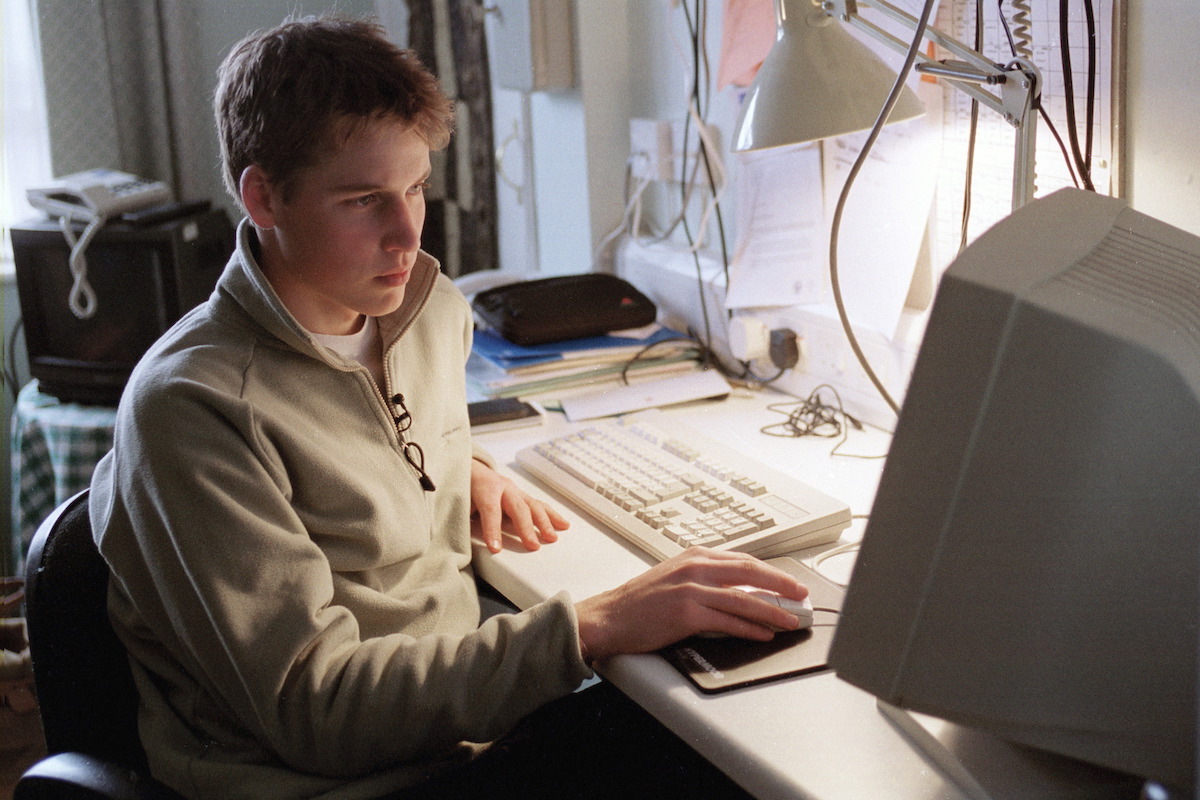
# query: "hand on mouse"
802,609
693,592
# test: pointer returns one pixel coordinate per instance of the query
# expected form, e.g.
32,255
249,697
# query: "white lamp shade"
817,81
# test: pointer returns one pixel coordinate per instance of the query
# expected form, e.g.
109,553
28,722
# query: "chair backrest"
86,694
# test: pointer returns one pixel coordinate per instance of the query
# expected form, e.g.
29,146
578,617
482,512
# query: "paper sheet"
886,215
778,259
747,33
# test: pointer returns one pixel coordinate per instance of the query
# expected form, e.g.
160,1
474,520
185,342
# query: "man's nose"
404,231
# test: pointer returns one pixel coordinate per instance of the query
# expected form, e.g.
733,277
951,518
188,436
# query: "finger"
733,612
547,521
722,568
719,611
762,611
517,507
741,628
489,525
557,520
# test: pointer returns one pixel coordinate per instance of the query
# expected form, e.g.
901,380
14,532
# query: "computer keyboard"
664,487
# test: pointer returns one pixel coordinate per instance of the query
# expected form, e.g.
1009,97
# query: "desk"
55,447
811,736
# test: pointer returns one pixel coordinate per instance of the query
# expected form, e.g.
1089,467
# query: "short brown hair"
284,93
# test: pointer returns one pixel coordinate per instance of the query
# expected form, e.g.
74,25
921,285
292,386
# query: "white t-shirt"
365,347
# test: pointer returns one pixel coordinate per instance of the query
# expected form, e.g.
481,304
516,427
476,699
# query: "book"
486,380
578,353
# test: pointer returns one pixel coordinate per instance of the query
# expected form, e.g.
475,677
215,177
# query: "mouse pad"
718,665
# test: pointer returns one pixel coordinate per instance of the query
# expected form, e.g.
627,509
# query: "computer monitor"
1030,563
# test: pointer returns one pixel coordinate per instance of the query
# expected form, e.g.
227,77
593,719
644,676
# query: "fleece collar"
245,284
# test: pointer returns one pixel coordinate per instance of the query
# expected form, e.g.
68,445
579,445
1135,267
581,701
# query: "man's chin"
388,302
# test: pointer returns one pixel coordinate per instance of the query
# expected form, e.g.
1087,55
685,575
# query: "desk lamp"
818,81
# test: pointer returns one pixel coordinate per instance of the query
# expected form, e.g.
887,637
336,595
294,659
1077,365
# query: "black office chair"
86,695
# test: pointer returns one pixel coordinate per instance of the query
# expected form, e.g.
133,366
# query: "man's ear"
257,196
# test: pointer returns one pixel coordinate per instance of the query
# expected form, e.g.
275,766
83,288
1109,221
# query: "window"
24,131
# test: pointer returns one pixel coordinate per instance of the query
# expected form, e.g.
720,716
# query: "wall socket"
668,277
827,358
656,149
650,149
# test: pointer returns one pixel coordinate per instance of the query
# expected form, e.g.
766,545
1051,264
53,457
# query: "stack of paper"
499,368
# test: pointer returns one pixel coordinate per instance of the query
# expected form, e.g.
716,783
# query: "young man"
286,507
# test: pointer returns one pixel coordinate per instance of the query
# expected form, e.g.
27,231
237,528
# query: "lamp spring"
1022,28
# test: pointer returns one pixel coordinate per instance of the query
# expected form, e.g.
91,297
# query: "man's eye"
366,200
420,188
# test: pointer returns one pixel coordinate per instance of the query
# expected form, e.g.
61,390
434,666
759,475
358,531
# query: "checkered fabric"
55,448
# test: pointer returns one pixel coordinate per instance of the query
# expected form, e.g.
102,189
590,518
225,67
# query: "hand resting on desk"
496,499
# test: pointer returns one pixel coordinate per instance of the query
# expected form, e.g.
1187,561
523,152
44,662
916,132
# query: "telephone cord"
82,298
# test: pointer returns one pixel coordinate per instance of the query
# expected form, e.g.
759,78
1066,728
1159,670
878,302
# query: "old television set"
144,276
1029,568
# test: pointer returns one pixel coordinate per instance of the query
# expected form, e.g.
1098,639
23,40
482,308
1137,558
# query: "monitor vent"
1146,276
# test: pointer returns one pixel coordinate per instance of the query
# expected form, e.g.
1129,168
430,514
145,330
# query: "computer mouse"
803,609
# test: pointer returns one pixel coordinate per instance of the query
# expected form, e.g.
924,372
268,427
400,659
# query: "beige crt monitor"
1030,563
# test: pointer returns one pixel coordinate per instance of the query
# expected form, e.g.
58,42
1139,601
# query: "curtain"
23,130
460,224
122,89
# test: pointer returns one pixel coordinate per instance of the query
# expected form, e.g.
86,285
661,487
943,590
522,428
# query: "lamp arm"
975,67
988,99
1019,81
847,11
1026,92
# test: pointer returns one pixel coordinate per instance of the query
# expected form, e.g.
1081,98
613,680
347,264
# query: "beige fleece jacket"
300,614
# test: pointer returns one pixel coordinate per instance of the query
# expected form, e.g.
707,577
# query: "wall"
1163,113
629,68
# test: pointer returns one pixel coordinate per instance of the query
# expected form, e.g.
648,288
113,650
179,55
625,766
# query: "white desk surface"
811,736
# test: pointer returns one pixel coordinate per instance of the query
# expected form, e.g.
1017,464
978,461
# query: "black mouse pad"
718,665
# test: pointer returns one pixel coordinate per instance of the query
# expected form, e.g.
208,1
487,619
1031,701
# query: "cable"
1042,113
631,218
1090,15
82,298
748,375
696,105
1064,35
849,547
972,132
1020,38
640,354
886,111
812,416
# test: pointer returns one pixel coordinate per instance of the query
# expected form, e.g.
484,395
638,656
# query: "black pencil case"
563,307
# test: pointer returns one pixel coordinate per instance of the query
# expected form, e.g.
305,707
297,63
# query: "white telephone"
97,193
93,197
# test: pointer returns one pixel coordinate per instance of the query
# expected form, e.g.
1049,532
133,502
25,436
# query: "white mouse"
803,609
